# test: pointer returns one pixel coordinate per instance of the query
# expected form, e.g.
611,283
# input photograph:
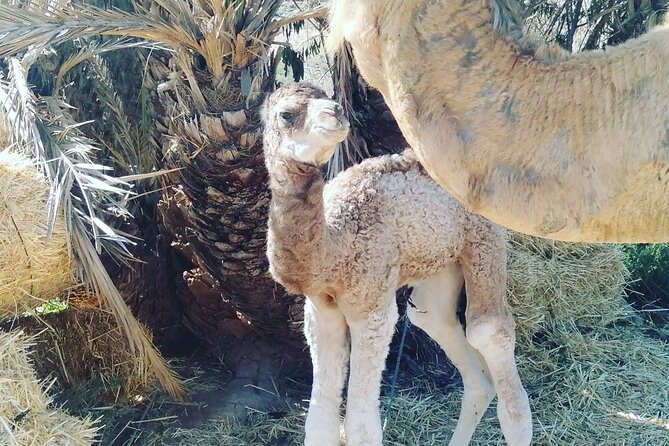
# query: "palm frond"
221,32
124,144
92,50
19,108
349,151
22,29
83,192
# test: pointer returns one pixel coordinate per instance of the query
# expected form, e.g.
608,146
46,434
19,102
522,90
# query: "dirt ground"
575,400
156,419
271,416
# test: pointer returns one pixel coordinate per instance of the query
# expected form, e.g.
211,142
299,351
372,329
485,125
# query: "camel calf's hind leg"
436,301
491,330
327,335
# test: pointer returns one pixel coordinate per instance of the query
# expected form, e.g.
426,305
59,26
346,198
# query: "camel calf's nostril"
339,110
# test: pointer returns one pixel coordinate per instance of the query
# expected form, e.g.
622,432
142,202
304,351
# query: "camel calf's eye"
287,117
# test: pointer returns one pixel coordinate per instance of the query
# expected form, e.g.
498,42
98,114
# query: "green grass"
55,305
649,285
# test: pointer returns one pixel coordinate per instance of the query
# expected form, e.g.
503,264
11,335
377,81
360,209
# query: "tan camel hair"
564,146
348,245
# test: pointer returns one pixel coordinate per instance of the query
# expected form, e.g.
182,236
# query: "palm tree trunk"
214,212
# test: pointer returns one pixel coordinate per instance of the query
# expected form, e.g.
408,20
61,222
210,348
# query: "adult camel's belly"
541,174
638,215
567,209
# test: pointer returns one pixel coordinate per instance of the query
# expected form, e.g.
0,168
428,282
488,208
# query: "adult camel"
564,146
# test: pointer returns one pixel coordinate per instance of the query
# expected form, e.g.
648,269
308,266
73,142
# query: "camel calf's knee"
489,334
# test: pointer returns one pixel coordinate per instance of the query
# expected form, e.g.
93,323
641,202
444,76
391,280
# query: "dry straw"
19,389
25,416
593,374
33,269
558,286
86,346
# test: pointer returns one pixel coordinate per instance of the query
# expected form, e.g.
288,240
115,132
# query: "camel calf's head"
303,124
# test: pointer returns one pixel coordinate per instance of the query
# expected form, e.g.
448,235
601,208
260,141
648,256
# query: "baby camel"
350,244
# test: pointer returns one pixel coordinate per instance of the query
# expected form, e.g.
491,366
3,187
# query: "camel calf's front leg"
327,335
371,334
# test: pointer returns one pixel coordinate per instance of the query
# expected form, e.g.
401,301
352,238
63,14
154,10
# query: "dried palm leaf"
83,192
226,34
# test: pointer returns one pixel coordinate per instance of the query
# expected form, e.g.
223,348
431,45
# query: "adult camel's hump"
564,146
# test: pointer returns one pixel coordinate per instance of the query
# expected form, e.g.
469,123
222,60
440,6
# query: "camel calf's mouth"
327,116
336,130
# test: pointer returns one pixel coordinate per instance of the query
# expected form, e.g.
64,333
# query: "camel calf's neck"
565,146
296,223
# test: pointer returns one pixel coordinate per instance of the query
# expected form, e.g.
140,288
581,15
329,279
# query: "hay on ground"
32,268
25,416
51,428
557,286
593,374
84,345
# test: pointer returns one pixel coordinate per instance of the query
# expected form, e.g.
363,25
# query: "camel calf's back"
391,200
